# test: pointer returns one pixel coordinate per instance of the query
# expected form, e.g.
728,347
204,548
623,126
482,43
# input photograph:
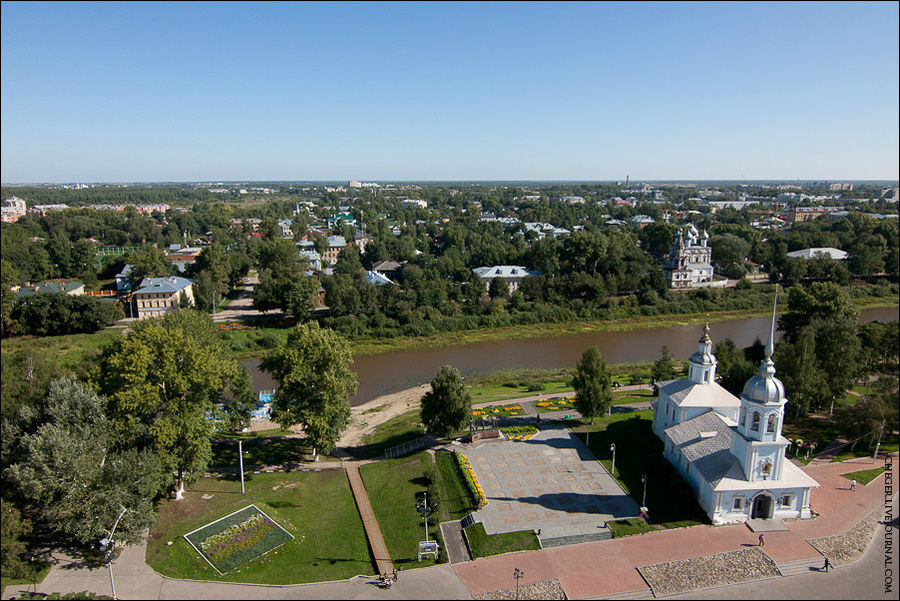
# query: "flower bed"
233,325
237,538
471,479
499,411
563,404
519,432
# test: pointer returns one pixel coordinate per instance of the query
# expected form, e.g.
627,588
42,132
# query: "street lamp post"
518,574
612,447
644,480
110,544
877,446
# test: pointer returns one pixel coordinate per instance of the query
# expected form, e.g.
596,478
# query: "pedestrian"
827,564
395,574
762,540
853,485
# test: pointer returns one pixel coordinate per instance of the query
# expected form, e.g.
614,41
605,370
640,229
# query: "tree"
9,277
448,405
592,383
13,526
822,300
66,464
663,368
148,262
312,369
163,381
498,288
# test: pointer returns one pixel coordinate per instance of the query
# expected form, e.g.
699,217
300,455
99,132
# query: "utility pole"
241,462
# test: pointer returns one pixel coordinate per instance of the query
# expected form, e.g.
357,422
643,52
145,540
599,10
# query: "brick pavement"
608,567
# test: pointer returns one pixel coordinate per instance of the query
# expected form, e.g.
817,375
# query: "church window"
754,425
706,376
773,419
743,415
738,504
787,500
767,467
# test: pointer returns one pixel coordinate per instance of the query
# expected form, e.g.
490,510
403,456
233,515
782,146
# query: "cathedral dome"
764,387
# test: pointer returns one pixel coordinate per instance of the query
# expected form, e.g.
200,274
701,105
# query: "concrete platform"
549,483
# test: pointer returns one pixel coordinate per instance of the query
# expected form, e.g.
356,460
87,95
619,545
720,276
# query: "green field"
394,486
396,430
317,508
629,527
670,499
864,476
485,545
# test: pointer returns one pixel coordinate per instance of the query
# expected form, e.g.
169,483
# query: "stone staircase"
575,539
801,566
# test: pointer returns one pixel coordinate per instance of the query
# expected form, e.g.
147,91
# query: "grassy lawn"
42,571
822,429
393,487
632,396
393,432
670,499
864,476
483,393
317,508
628,527
485,545
260,450
456,501
69,352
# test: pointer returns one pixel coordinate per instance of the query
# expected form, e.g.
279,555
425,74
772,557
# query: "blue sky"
447,91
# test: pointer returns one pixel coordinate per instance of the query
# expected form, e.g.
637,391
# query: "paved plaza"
550,482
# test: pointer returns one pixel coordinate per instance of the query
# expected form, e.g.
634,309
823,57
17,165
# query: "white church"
730,449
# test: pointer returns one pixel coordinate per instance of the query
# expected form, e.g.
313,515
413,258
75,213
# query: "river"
398,370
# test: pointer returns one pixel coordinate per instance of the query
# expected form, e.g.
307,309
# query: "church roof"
791,477
705,442
687,393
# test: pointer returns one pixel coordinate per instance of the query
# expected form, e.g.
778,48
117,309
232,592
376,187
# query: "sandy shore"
364,418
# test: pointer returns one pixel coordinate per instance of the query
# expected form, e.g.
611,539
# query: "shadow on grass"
670,499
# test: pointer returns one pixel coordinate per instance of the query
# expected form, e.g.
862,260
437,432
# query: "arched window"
743,415
754,425
773,419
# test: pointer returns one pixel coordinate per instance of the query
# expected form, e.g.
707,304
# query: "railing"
407,447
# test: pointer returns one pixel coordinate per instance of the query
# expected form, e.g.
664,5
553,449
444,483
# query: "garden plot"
237,538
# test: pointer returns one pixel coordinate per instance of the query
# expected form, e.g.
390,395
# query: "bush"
535,386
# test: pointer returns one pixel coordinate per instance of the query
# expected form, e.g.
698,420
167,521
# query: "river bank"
372,346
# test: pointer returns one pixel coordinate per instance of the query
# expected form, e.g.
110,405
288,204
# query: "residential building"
13,209
413,203
834,254
123,278
158,296
730,449
312,257
70,287
335,245
798,214
182,257
511,274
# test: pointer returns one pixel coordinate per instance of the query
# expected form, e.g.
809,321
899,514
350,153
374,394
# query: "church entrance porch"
763,507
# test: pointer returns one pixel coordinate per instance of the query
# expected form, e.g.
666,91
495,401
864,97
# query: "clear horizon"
449,92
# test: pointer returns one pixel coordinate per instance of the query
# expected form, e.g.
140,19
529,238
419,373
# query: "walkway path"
383,561
609,567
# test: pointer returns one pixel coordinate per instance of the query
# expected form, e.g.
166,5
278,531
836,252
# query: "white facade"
690,261
729,449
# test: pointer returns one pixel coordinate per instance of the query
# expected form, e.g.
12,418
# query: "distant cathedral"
729,449
690,259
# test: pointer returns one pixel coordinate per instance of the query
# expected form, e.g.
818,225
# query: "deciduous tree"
315,382
593,384
447,406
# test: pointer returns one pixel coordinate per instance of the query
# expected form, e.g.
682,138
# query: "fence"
408,447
